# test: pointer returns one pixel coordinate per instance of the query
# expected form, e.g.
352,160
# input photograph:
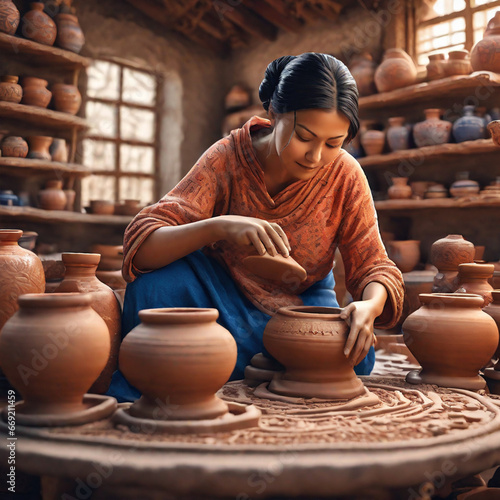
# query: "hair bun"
272,79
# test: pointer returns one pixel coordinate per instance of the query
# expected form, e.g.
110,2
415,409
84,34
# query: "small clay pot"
373,141
458,63
35,92
432,131
66,98
398,134
14,147
39,147
69,34
52,197
70,199
485,54
59,150
9,17
38,26
419,188
362,69
399,189
436,191
435,68
494,130
405,254
10,90
473,278
464,187
397,70
128,207
102,207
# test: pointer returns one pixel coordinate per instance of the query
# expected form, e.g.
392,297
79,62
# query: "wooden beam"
151,10
276,17
213,26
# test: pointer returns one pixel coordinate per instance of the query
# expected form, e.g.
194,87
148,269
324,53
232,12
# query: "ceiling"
223,25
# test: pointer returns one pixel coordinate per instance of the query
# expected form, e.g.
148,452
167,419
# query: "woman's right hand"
263,235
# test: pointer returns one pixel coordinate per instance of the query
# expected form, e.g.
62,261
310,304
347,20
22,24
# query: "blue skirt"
199,281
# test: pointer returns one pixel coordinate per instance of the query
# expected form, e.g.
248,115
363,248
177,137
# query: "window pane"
138,87
137,124
137,159
457,24
99,155
103,80
102,118
477,3
457,38
97,187
137,188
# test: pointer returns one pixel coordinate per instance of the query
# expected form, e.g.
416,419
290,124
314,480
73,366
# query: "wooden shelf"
58,216
466,202
442,151
27,167
40,55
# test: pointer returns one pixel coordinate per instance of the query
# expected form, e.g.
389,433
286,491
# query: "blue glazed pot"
8,198
468,127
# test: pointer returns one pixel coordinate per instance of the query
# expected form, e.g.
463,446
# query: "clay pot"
309,342
432,130
419,188
494,129
447,254
22,272
485,54
14,147
452,339
468,127
28,240
396,71
435,68
52,197
405,254
372,140
59,150
473,278
66,98
35,92
362,69
102,207
238,97
38,26
69,34
436,191
398,134
128,207
493,309
458,63
464,187
8,198
10,90
111,257
63,345
178,358
39,147
9,17
399,189
70,199
80,277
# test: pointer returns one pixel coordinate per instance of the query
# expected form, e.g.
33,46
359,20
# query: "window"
122,146
452,25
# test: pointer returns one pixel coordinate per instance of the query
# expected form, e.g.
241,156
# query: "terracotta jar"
447,254
80,277
35,92
22,272
464,187
59,150
396,70
178,358
70,199
111,257
309,342
14,147
452,339
458,63
38,26
399,189
372,140
66,98
398,134
486,53
39,147
10,90
9,17
419,188
473,278
52,197
128,207
436,190
435,68
63,345
494,129
405,254
432,130
102,207
469,127
69,34
362,69
493,309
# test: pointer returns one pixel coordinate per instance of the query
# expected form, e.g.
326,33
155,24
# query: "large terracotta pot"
35,92
398,134
309,342
486,53
178,358
396,70
38,26
69,34
447,254
52,350
452,339
362,69
80,277
473,278
67,98
39,147
399,189
52,197
405,254
432,130
9,17
15,147
10,90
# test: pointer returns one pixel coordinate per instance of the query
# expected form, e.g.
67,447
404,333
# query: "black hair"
311,81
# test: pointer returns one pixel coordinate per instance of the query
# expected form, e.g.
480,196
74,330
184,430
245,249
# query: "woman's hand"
263,235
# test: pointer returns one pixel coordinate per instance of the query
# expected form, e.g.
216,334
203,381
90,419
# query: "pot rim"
316,312
10,235
52,300
452,299
81,258
466,269
178,315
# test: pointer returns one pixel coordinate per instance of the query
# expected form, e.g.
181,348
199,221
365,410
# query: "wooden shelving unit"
27,167
438,203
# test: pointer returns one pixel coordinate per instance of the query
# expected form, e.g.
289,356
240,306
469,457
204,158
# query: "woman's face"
316,141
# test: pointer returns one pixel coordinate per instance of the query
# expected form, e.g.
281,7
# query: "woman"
282,185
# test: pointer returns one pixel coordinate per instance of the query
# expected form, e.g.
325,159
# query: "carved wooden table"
395,441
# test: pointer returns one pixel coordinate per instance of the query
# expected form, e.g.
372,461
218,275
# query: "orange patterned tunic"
332,209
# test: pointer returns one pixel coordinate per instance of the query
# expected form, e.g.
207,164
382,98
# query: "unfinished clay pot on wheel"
452,339
473,278
80,277
309,342
52,350
178,358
